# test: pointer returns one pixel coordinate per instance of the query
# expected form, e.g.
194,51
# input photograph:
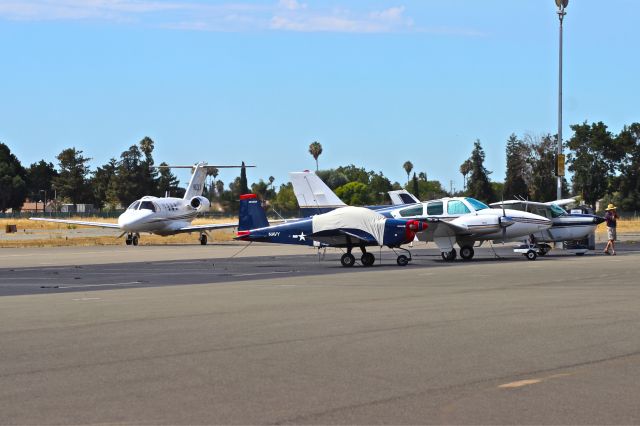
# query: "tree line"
603,165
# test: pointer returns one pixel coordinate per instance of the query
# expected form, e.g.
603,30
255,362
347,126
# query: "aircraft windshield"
477,205
147,205
557,211
134,205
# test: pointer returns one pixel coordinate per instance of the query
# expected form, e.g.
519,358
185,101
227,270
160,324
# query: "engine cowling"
412,227
200,203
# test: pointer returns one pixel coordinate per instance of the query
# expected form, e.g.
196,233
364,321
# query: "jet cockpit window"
411,211
477,205
457,207
134,205
147,205
435,208
557,211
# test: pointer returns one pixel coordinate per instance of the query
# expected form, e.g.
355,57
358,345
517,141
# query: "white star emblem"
301,236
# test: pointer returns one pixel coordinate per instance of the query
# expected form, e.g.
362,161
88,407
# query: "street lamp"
562,5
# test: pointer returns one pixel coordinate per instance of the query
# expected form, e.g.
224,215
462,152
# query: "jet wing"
206,227
338,237
78,222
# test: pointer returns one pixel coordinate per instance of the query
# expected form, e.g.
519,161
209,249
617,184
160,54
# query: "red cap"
248,196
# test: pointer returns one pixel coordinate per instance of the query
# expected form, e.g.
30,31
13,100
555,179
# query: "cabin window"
134,205
557,211
457,207
477,205
147,205
435,208
411,211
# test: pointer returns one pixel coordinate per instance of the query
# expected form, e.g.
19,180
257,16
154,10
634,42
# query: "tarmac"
226,334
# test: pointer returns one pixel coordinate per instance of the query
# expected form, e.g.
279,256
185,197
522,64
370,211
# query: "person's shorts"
611,233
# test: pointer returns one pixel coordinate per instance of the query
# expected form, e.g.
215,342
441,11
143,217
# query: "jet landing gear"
132,239
203,239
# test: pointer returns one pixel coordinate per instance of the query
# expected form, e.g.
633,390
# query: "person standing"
611,218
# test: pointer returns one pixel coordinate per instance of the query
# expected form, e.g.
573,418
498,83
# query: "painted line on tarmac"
83,299
529,382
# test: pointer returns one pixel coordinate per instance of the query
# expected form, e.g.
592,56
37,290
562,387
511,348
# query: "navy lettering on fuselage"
274,234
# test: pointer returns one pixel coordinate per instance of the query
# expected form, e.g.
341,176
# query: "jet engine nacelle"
200,203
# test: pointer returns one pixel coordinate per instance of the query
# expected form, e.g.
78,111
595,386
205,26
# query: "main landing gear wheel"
347,260
531,255
466,252
402,260
367,259
449,256
128,241
134,240
203,239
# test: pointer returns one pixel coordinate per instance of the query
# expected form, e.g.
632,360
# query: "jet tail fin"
313,195
252,215
200,172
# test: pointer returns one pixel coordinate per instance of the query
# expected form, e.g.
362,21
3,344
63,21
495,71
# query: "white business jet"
163,216
461,220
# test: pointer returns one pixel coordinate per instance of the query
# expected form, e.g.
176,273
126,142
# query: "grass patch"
50,234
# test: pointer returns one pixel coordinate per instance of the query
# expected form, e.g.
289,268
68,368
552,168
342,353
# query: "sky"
376,82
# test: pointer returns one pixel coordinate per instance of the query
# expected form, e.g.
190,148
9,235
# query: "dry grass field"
49,234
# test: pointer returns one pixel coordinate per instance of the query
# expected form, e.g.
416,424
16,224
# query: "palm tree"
408,166
315,149
465,169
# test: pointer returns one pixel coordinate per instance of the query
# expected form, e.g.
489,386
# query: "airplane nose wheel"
203,239
402,260
347,260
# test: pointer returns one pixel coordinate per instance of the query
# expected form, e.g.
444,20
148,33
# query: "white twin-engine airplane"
164,216
461,220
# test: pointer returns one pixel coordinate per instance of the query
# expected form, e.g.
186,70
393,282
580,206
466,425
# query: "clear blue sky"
376,82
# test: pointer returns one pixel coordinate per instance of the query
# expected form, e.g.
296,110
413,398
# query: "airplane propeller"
504,221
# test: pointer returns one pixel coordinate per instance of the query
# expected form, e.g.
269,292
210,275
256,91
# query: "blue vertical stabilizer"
252,215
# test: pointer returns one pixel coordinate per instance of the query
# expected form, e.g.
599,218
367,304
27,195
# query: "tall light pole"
562,5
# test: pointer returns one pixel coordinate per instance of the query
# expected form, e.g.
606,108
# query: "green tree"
244,187
332,178
40,177
408,166
416,187
13,180
148,173
517,154
101,183
315,149
168,183
285,201
354,194
72,182
378,186
628,182
479,185
593,159
542,157
130,182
